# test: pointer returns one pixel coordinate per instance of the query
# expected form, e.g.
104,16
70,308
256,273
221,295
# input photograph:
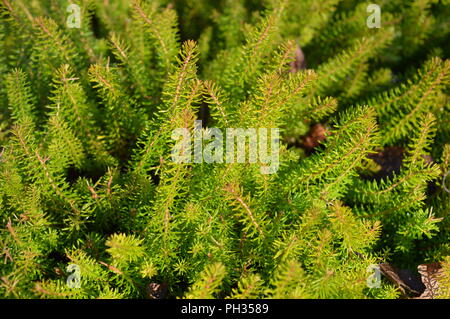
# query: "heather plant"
96,98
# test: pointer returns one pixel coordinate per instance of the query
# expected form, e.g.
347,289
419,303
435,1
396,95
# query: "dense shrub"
87,176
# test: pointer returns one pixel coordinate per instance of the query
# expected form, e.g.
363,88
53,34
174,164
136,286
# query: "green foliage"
87,175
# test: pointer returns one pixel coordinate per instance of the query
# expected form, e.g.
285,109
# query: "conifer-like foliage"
87,175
